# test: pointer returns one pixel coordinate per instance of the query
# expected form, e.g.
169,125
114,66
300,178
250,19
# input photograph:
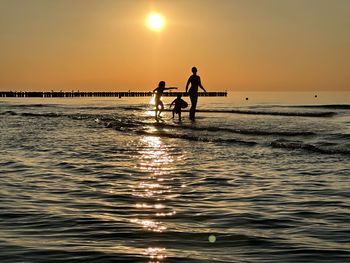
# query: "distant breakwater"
78,94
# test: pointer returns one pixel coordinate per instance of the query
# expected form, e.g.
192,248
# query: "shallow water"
99,180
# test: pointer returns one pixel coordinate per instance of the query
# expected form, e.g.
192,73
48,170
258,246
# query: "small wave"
195,138
32,114
36,105
97,108
31,105
77,116
8,112
276,144
274,113
325,106
135,108
49,114
308,147
252,112
341,136
128,125
240,131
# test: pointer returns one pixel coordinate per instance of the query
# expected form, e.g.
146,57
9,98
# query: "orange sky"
241,45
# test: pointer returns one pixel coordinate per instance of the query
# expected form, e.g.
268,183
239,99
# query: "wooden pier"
79,94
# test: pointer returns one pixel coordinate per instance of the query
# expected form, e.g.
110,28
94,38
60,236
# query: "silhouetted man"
195,82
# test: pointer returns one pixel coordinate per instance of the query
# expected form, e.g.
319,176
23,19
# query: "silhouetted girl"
158,102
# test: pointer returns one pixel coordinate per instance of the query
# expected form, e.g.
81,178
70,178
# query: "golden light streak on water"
156,164
155,254
151,225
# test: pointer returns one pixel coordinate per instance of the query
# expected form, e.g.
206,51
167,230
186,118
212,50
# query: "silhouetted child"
178,105
158,94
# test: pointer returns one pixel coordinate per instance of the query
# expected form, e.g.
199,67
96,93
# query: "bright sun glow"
155,22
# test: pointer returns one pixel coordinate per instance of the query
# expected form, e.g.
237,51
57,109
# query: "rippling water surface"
99,180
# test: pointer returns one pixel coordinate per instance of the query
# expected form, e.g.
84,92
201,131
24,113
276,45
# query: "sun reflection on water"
156,164
155,254
152,225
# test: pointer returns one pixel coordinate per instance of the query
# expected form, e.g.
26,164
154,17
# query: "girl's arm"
171,104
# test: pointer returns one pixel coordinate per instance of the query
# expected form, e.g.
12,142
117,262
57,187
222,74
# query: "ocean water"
265,179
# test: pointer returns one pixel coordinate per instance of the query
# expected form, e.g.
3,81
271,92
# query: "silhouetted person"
178,105
195,82
158,102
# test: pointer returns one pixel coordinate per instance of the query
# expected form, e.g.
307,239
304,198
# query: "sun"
155,22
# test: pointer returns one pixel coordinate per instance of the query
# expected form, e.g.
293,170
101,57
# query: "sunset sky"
243,45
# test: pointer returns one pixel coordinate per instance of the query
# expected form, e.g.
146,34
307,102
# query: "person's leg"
194,99
192,106
156,110
161,108
195,106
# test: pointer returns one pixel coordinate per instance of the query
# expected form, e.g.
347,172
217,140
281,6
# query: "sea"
258,177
